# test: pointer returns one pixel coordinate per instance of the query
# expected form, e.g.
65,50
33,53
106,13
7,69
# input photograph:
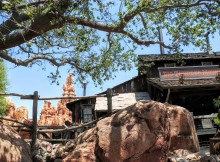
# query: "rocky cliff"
12,147
57,116
20,113
146,131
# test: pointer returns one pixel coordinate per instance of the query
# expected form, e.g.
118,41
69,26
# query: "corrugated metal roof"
186,84
121,101
184,56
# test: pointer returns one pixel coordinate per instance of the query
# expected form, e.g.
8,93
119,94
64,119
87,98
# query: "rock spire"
57,116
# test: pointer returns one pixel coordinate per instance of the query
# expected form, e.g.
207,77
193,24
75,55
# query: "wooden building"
124,94
188,80
194,93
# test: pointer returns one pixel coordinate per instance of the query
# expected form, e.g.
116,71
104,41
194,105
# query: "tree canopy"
3,86
96,37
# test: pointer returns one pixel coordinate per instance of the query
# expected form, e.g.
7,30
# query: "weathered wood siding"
120,101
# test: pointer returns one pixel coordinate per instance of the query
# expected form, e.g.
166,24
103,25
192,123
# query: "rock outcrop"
142,132
12,147
183,132
21,113
12,112
11,109
137,134
57,116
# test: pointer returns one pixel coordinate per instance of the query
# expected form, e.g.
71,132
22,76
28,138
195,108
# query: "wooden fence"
35,129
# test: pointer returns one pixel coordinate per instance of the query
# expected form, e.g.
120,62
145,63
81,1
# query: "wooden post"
161,40
168,96
109,100
34,133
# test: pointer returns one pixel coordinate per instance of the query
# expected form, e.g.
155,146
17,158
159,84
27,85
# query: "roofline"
167,56
214,53
102,92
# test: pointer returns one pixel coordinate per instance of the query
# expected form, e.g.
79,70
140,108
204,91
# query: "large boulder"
183,132
12,147
139,133
142,132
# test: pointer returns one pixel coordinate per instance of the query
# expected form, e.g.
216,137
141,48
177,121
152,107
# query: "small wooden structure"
120,101
93,108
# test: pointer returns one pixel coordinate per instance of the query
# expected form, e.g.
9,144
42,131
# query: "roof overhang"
121,101
208,84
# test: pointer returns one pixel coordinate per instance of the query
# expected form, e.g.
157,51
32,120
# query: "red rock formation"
20,113
12,147
139,133
47,114
183,132
11,109
57,116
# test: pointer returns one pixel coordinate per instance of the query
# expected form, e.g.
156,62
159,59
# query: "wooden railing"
36,129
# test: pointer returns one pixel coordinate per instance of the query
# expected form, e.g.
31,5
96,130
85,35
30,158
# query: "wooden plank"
56,140
206,116
49,127
168,96
69,97
34,133
27,97
73,128
12,94
16,121
109,98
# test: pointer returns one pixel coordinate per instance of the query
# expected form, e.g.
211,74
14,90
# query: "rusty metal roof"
184,56
175,84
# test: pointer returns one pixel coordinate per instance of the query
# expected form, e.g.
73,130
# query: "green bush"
216,102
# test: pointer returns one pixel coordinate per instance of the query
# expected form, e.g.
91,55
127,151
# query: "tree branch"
23,5
54,61
12,23
42,24
116,29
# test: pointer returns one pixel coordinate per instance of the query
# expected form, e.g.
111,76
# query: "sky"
25,80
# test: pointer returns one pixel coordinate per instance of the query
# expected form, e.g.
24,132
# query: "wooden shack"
124,94
188,80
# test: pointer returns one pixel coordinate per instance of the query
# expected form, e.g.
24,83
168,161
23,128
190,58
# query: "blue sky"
25,80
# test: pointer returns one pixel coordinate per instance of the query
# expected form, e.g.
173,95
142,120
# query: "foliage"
216,102
97,38
3,85
216,121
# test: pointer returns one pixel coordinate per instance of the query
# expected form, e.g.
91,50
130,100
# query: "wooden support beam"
14,94
27,97
73,128
109,100
69,97
56,140
168,96
34,133
16,121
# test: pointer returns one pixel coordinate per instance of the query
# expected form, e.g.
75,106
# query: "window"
87,114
